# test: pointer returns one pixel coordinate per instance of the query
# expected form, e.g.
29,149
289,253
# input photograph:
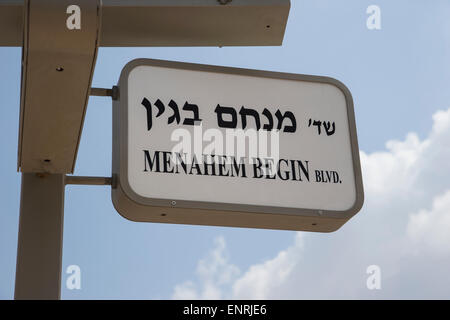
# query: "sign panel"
198,144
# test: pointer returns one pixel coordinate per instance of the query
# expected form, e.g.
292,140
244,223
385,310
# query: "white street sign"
197,144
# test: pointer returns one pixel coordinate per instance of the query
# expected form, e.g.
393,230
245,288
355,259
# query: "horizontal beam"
93,181
136,23
11,23
103,92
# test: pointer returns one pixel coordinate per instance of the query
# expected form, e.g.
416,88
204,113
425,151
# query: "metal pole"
39,251
91,181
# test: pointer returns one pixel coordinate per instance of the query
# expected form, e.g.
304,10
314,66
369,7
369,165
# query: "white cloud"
431,228
262,279
214,272
404,228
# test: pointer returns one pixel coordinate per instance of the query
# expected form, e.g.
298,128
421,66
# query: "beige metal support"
92,181
129,23
193,23
102,92
58,64
39,251
40,242
11,23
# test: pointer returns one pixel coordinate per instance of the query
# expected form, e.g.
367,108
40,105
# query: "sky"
398,76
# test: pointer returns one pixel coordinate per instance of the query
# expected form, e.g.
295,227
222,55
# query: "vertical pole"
39,250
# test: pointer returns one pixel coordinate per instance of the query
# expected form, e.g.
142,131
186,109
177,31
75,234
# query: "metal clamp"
103,92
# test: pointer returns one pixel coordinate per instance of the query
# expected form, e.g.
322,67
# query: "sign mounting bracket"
104,92
91,181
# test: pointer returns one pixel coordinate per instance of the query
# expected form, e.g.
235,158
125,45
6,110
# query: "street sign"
208,145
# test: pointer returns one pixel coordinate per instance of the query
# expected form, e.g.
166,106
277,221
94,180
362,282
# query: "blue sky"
399,79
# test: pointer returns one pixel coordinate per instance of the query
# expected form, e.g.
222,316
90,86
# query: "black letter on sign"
269,117
194,109
316,123
281,118
327,126
176,113
226,124
148,107
249,112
